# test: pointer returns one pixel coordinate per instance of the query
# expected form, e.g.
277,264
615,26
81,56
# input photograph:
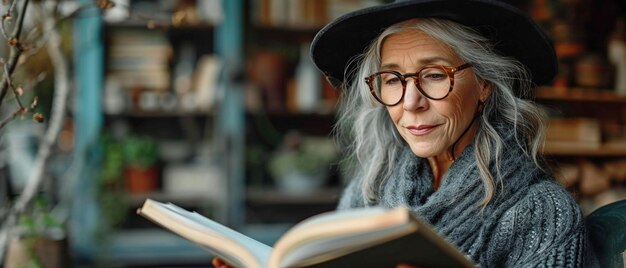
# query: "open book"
365,237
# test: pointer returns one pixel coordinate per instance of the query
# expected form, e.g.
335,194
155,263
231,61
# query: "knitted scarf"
530,222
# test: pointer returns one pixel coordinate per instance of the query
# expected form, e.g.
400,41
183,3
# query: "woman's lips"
421,129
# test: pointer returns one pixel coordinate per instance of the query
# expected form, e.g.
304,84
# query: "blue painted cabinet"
114,62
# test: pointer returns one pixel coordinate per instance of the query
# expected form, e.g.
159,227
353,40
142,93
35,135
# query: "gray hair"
373,143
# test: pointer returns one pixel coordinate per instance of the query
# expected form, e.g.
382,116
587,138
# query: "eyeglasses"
434,82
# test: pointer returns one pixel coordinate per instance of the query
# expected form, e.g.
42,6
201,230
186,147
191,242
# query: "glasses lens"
387,87
434,82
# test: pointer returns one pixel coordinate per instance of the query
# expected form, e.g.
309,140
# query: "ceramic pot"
140,180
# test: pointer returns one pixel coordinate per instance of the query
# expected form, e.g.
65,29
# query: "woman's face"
431,127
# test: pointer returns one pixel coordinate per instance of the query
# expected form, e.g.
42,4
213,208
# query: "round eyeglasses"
434,82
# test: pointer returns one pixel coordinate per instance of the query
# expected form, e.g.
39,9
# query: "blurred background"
215,106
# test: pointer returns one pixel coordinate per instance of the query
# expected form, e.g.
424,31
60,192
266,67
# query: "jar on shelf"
593,71
308,83
616,49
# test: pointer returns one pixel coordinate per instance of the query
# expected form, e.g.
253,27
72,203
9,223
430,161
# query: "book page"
337,224
335,217
232,246
341,244
365,237
260,250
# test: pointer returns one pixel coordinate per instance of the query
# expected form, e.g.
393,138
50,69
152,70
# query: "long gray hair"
373,143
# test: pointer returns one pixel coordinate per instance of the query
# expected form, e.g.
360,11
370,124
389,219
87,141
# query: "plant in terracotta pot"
302,163
141,170
41,239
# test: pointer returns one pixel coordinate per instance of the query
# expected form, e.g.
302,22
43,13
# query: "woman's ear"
486,88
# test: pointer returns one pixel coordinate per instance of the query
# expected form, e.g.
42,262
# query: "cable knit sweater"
531,222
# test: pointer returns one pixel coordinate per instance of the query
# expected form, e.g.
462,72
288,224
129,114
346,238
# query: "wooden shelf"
579,94
158,114
581,149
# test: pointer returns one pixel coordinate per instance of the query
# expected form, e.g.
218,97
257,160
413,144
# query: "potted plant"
141,171
302,163
41,240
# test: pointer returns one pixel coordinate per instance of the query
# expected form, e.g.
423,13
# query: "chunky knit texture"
531,222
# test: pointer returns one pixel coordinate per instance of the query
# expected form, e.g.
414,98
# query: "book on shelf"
364,237
574,130
138,58
290,13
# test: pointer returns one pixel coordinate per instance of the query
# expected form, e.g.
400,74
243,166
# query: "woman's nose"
413,98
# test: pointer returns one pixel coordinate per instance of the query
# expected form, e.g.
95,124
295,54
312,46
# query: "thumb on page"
219,263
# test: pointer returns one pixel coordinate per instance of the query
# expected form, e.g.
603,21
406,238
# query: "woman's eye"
434,76
392,81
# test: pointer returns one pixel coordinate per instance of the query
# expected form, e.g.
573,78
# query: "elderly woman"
435,109
434,106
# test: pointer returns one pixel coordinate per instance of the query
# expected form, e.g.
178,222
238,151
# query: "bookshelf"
154,83
588,159
276,33
158,75
596,119
577,98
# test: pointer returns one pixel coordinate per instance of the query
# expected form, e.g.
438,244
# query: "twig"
12,116
38,35
22,110
38,41
16,50
20,18
12,87
3,28
7,17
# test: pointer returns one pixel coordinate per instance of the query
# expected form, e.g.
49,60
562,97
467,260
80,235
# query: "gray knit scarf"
530,222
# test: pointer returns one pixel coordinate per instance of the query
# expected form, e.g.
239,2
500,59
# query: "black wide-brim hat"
513,32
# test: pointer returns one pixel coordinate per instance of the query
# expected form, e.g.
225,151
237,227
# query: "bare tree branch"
20,19
12,116
16,92
7,17
38,36
16,50
21,110
3,28
57,117
61,91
